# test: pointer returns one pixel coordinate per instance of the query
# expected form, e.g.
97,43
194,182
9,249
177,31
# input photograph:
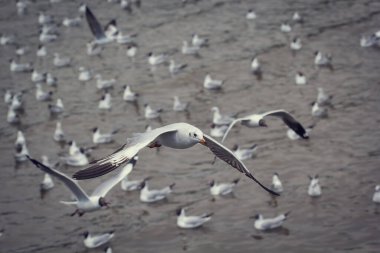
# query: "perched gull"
47,37
71,22
323,98
102,36
22,50
38,77
369,41
123,38
376,195
300,78
189,50
318,111
20,140
17,103
42,95
297,17
212,84
132,51
41,51
109,249
129,95
250,15
258,120
12,116
150,196
51,80
151,113
94,241
103,84
7,39
198,41
78,159
47,183
323,60
219,119
218,130
21,153
59,135
22,7
84,74
184,221
105,102
99,138
285,27
45,19
276,184
296,44
269,223
125,5
8,97
256,68
177,136
73,148
175,68
19,67
154,60
244,153
85,202
61,62
314,189
178,106
56,109
131,185
222,189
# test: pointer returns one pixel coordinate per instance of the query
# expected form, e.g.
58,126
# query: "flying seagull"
178,136
102,36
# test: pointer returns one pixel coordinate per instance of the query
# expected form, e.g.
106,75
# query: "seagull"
297,17
132,51
300,79
150,196
45,19
82,8
94,241
251,15
47,183
285,27
41,51
99,138
42,95
129,95
178,106
38,77
189,50
296,44
71,22
93,48
56,109
8,97
102,36
175,68
20,140
109,249
294,136
244,153
212,84
22,153
177,136
47,37
256,68
12,116
323,60
314,189
319,112
219,119
103,84
19,67
105,102
125,5
61,62
151,113
22,7
218,130
17,103
131,185
258,120
59,135
154,60
269,223
7,39
84,74
51,80
198,41
369,41
222,189
184,221
85,202
323,98
376,195
78,159
276,184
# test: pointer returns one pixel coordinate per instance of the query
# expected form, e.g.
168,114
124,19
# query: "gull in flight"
102,36
85,202
177,136
257,120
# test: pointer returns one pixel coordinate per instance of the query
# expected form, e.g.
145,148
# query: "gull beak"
203,142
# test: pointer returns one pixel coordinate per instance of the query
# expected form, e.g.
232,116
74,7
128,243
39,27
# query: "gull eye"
195,135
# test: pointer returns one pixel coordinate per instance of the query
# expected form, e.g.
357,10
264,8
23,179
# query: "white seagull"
100,138
323,98
212,84
285,27
71,22
300,78
41,51
323,60
22,153
175,68
47,183
61,62
19,67
314,189
269,223
151,113
198,41
276,184
154,60
20,140
256,68
59,135
318,111
131,51
251,15
178,106
42,95
102,36
258,120
177,136
189,50
38,77
244,153
103,84
150,196
129,95
184,221
94,241
12,116
376,195
85,202
56,109
105,102
219,119
218,130
222,189
84,74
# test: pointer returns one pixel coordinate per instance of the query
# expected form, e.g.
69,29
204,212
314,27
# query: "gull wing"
227,156
94,24
107,185
290,121
122,155
231,125
79,193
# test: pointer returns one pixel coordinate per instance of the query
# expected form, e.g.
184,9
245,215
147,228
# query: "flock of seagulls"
176,136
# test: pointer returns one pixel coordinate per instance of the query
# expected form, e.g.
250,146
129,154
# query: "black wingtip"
94,171
262,186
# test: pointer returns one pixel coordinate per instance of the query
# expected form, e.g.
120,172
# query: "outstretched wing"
227,156
122,155
289,121
107,185
79,193
94,24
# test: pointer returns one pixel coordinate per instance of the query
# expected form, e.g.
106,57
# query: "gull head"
211,183
103,202
197,135
94,130
262,123
377,188
86,234
258,217
235,147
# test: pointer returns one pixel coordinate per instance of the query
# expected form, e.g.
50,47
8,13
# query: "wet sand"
343,149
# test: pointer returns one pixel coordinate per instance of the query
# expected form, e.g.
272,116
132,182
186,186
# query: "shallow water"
343,149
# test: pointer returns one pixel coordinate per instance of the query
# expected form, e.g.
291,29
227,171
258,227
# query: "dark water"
343,149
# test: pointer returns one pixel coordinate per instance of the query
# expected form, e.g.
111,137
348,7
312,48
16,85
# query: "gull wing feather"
290,121
227,156
79,193
94,24
122,155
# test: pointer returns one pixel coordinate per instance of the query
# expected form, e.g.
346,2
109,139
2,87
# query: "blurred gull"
42,95
123,38
105,102
108,249
256,68
71,22
22,7
269,223
132,51
7,39
59,135
376,195
318,111
21,153
244,153
47,37
198,41
47,183
100,138
150,196
22,50
276,184
154,60
285,27
51,80
60,61
45,19
84,74
103,84
219,119
38,77
151,113
189,50
19,67
17,103
131,185
79,159
221,189
294,136
314,189
93,48
94,241
175,68
126,5
12,116
8,96
82,8
178,106
296,44
20,140
129,95
218,130
41,51
212,84
250,15
297,17
56,109
323,60
323,98
184,221
300,78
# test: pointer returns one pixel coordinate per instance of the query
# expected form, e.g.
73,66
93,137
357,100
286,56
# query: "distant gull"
41,51
103,84
177,136
99,138
220,119
105,102
7,39
94,241
47,183
276,183
51,80
8,96
314,189
258,120
179,106
376,195
175,68
294,136
20,67
187,222
42,95
71,22
150,196
45,19
222,189
132,51
212,84
17,103
198,41
78,159
131,185
297,17
60,61
154,59
85,202
256,68
59,135
285,27
251,15
319,111
300,78
296,44
151,113
20,139
189,50
323,98
244,153
21,153
129,95
93,49
269,223
38,77
323,60
12,116
84,74
56,109
218,130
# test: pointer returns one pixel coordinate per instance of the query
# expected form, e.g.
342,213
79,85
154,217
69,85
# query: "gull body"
106,102
47,183
178,106
314,189
17,103
221,189
269,223
42,95
189,222
155,60
256,68
58,108
19,67
102,35
20,140
129,95
60,61
219,119
72,22
297,17
189,50
300,79
318,111
150,196
78,159
47,37
38,77
41,51
276,184
244,153
296,44
376,194
151,113
21,153
22,50
218,130
84,74
100,138
323,98
59,135
198,41
323,60
8,97
51,80
212,84
131,51
175,68
103,84
285,28
251,15
12,116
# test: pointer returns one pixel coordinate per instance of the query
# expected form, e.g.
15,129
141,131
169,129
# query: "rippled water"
343,149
